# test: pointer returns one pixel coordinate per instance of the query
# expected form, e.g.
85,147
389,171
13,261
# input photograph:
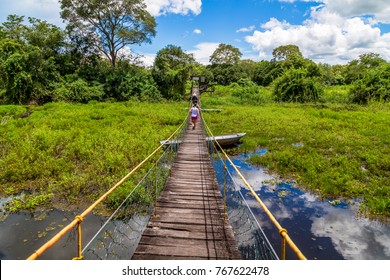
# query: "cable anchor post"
79,238
283,232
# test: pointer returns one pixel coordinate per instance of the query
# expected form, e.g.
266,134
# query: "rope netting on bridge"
119,236
120,231
252,242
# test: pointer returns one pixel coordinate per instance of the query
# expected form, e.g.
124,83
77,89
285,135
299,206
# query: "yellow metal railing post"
283,254
79,238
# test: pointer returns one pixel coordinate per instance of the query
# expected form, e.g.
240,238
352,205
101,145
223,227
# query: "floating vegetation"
335,202
50,228
3,216
283,194
40,217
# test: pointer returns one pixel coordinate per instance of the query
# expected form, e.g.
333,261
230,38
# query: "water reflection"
321,229
23,233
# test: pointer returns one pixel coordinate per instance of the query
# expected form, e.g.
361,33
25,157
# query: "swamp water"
322,229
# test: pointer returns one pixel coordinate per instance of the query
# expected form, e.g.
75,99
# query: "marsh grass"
336,150
67,155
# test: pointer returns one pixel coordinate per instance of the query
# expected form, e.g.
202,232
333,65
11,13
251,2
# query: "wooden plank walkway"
190,222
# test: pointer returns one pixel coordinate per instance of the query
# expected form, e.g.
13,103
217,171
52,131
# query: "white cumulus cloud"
327,36
379,9
203,51
183,7
48,10
246,29
197,31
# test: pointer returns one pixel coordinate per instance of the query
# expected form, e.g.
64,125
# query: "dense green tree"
249,67
139,84
266,72
28,54
331,74
225,54
286,52
13,28
202,70
225,74
371,60
373,86
110,24
356,69
172,68
49,38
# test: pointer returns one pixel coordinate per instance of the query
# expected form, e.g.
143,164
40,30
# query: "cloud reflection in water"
307,217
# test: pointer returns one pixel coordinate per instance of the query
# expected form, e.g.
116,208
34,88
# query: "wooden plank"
194,251
186,227
151,256
188,205
190,221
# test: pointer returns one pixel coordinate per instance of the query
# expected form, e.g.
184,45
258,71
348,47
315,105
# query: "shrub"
296,86
374,86
78,91
249,94
139,85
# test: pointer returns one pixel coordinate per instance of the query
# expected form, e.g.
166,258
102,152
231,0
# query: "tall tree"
13,28
171,70
225,54
112,24
286,52
28,56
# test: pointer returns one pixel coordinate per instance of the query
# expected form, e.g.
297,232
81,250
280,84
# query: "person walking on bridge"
194,110
194,99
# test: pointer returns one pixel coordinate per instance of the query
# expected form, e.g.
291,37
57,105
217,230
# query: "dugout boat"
223,140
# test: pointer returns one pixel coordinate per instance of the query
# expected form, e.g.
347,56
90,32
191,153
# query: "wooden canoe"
223,140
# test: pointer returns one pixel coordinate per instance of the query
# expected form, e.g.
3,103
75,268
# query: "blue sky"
327,31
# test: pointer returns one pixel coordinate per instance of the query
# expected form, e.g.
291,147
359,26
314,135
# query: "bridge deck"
190,222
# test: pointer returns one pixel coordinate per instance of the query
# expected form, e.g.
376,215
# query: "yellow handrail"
79,218
282,231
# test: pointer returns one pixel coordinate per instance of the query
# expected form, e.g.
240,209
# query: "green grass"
343,151
68,155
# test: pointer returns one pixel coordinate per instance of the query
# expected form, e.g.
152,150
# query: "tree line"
90,60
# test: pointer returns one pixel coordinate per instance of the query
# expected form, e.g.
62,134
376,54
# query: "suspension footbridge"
189,220
184,212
